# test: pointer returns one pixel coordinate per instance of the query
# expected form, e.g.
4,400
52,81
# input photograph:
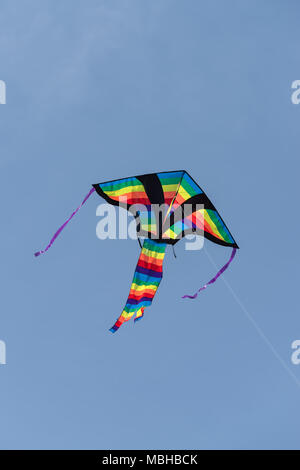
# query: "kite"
167,206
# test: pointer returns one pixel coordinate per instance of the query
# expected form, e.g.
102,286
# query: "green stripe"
154,246
120,185
167,181
189,188
139,282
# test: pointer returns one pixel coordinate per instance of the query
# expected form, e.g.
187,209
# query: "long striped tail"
146,279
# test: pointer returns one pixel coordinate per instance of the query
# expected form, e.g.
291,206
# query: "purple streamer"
38,253
214,278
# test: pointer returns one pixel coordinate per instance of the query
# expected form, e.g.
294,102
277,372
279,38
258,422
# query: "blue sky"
98,90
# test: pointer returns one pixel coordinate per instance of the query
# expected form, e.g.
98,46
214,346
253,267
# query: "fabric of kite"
167,206
184,207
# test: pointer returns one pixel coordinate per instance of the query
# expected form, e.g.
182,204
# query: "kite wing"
137,194
191,211
185,208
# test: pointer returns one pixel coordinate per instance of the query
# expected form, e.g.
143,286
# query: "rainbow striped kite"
167,206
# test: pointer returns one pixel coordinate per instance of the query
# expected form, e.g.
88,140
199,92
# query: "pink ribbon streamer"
38,253
214,278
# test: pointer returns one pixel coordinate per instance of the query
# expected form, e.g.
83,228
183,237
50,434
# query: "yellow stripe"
211,223
172,187
128,190
153,254
183,193
139,288
169,234
127,315
149,227
139,313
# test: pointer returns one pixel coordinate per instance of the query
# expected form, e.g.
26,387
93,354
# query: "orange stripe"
150,260
146,293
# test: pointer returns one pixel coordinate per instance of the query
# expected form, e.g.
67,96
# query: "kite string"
38,253
214,278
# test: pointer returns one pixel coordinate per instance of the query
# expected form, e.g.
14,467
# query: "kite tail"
214,278
38,253
146,279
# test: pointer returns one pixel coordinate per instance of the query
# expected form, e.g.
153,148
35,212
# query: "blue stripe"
193,185
141,300
148,272
171,174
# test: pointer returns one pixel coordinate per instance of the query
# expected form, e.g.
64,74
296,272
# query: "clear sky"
99,90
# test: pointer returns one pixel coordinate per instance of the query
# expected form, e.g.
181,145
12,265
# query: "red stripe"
147,293
148,259
151,266
132,198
